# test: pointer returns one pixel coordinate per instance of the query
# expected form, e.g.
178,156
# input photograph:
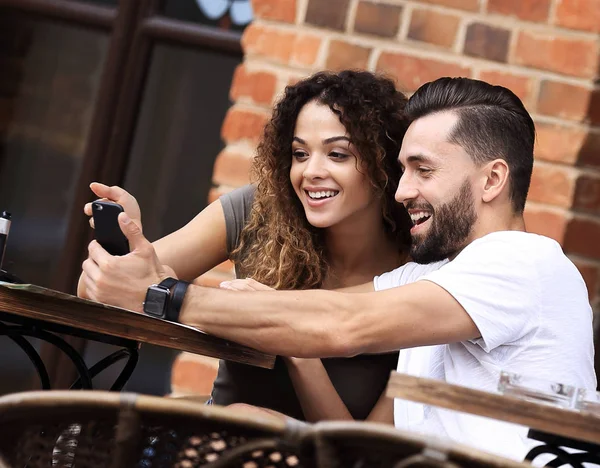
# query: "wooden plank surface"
544,417
42,304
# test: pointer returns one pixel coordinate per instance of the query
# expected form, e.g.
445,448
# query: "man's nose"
406,190
316,167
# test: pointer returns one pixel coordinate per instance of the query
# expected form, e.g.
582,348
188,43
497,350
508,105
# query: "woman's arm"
198,246
319,398
186,253
317,395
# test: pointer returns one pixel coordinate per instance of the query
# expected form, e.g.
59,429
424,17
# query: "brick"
560,54
582,237
559,143
550,223
194,374
343,55
564,100
488,42
259,86
269,42
521,85
330,14
306,50
587,194
579,14
594,107
469,5
590,274
378,19
243,125
590,151
433,27
276,10
529,10
232,169
552,184
411,72
294,79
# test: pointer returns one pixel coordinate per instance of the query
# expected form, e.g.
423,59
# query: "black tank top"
359,380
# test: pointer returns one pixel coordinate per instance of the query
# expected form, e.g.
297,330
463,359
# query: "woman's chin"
320,222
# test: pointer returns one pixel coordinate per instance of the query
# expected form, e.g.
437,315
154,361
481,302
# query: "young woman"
321,215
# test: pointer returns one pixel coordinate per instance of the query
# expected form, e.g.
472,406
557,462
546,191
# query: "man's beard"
451,225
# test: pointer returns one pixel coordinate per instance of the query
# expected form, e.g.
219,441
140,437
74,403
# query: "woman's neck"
357,251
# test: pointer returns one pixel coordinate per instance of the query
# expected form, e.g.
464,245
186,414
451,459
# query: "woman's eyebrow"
326,141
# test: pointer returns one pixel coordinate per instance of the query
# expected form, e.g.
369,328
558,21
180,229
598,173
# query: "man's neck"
516,222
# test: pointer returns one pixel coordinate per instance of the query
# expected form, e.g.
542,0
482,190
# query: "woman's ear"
495,175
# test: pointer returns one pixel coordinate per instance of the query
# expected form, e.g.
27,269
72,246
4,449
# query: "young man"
484,295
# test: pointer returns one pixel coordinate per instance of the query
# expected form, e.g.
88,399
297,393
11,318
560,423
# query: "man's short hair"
493,123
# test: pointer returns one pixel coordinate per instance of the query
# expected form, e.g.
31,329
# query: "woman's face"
326,170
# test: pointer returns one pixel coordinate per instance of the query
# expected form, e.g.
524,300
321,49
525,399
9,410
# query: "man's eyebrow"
418,158
415,158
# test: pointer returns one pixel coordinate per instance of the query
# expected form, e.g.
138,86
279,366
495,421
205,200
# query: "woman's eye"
299,155
337,155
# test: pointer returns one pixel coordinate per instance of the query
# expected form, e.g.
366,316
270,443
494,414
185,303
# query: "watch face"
156,300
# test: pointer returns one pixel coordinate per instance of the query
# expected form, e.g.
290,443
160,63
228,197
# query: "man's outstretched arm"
320,323
291,323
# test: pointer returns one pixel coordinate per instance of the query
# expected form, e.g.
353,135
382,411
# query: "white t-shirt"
531,307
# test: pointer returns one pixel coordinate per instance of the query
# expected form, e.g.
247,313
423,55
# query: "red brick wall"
546,51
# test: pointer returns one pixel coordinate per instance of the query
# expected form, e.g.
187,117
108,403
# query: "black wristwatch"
164,300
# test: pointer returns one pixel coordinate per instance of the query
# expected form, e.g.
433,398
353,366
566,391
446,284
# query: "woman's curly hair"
278,246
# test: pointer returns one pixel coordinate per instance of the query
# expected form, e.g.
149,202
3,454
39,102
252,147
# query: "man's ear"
495,176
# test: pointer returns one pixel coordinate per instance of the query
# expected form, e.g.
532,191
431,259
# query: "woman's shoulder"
239,198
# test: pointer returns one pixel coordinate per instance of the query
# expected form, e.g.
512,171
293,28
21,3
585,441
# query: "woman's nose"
316,167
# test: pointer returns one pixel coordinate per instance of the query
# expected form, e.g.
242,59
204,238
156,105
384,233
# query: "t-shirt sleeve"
237,205
406,274
497,283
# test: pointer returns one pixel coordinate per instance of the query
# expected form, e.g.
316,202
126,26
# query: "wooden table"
32,311
553,425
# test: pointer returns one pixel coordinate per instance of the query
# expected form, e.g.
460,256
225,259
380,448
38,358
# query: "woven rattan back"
104,429
360,445
94,429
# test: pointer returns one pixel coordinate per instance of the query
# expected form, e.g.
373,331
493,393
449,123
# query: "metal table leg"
46,332
587,452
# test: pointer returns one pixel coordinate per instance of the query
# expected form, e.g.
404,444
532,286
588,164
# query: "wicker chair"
361,445
105,429
67,429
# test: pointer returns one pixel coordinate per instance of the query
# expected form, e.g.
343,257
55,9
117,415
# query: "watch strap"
177,297
168,283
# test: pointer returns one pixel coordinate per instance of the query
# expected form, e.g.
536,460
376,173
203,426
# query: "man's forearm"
289,323
327,323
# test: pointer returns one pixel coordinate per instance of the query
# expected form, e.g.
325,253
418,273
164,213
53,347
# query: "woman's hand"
247,284
118,195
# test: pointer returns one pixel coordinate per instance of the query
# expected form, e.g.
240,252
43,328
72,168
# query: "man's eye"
424,170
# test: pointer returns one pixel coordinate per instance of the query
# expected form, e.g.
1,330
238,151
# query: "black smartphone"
107,229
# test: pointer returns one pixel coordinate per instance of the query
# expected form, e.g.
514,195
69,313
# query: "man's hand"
118,195
123,281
